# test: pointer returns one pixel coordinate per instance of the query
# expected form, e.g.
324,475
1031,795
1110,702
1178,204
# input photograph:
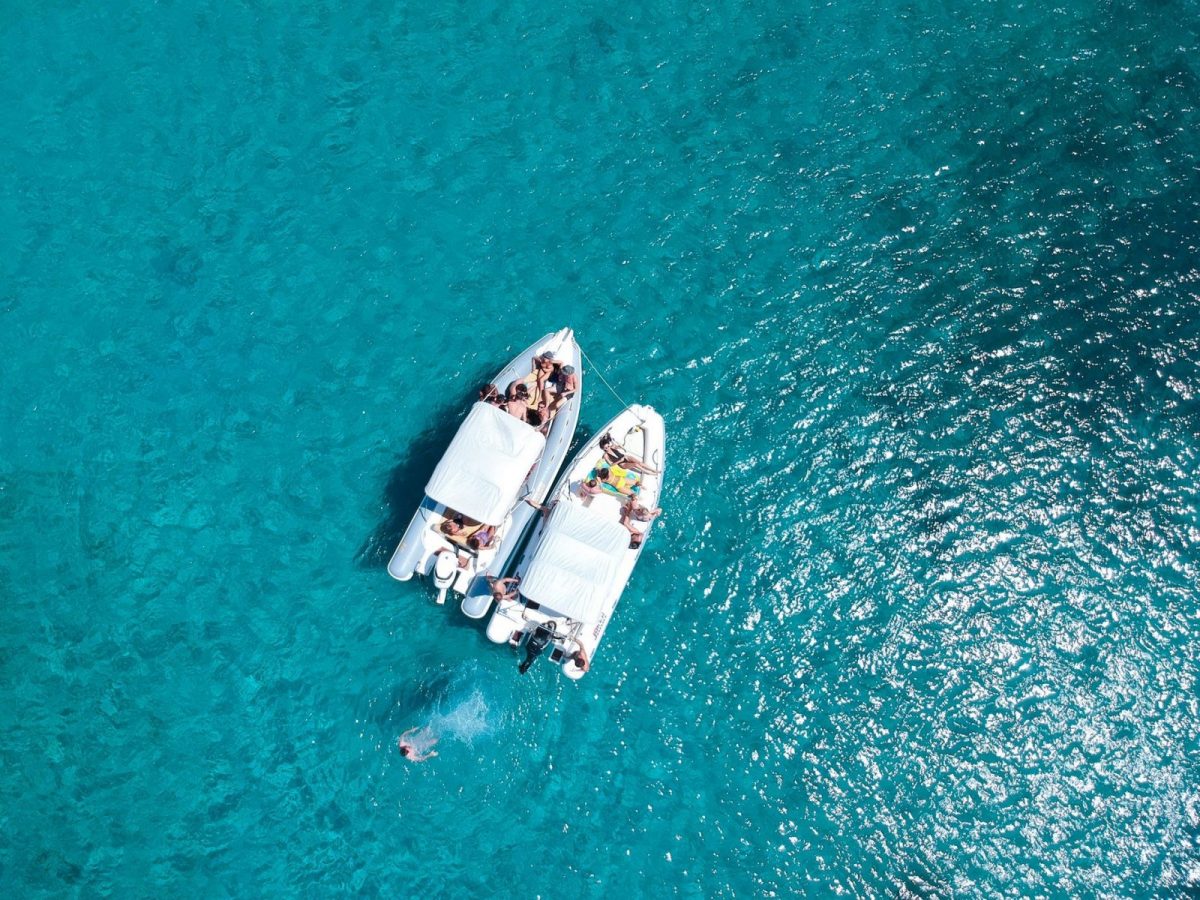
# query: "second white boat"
584,549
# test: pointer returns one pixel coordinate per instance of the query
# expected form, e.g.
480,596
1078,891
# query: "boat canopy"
576,568
486,464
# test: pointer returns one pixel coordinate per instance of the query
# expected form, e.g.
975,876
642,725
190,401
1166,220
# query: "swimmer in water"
416,744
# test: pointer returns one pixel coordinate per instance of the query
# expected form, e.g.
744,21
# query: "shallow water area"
915,288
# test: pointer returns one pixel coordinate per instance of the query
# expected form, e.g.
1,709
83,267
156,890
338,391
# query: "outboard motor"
445,570
536,645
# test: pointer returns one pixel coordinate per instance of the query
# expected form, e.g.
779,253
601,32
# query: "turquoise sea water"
916,287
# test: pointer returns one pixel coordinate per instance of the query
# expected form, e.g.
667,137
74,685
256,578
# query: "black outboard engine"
536,645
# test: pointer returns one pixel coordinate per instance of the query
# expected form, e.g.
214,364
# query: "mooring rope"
595,368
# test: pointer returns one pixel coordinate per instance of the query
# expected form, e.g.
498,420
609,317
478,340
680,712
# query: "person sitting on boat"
635,512
516,401
544,367
580,660
503,589
453,525
590,487
539,416
616,455
482,538
489,394
566,384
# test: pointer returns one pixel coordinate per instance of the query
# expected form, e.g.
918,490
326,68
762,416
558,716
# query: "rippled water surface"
916,288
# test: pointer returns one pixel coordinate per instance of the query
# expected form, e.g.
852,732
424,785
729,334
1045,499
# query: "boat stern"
477,601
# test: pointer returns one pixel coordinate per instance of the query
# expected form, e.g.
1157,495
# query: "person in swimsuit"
590,487
539,416
546,382
416,744
565,383
635,512
489,394
453,525
617,482
580,660
503,589
544,367
482,538
516,403
616,455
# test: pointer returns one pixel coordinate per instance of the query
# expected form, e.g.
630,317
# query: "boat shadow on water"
406,482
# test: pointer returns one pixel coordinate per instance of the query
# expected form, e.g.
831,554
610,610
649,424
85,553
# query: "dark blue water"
916,288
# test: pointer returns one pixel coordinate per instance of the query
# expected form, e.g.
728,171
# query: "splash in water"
461,713
464,720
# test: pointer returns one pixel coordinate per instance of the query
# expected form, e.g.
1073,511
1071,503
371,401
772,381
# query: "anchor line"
593,367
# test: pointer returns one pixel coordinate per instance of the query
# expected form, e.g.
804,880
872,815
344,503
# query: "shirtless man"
503,589
516,403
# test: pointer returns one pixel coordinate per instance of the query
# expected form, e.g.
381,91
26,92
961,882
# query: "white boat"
580,556
493,463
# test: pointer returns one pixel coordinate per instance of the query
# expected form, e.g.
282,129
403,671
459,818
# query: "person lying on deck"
635,511
616,455
617,479
463,530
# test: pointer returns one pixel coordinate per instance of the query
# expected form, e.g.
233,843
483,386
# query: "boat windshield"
485,465
577,566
